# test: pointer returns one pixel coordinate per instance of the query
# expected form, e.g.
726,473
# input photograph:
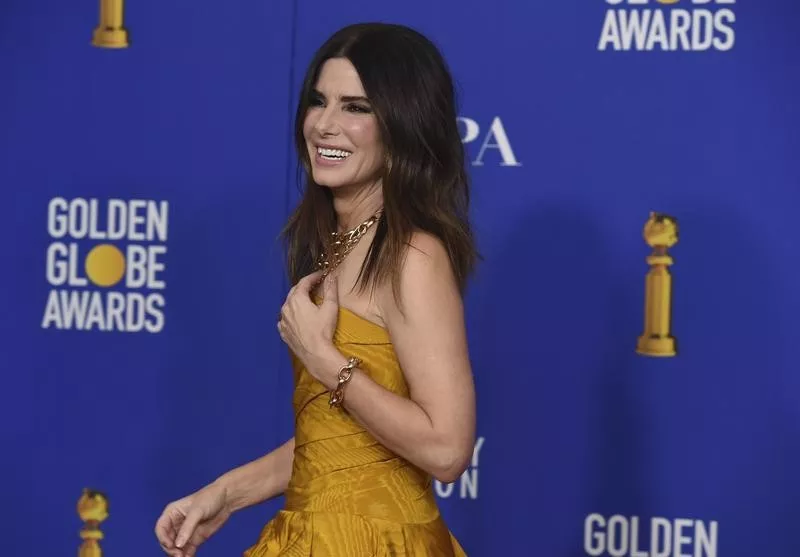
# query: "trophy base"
104,37
90,549
656,346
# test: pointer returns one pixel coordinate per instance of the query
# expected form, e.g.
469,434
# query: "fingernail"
179,542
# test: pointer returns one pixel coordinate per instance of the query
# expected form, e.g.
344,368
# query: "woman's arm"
259,480
435,428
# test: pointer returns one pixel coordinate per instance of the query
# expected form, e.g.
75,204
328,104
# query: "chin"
329,180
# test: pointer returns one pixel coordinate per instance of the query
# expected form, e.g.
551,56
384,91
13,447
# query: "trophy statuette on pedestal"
93,509
660,233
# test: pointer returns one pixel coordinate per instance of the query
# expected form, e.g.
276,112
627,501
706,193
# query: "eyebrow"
345,98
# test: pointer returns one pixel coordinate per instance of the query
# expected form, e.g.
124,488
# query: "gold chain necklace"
342,243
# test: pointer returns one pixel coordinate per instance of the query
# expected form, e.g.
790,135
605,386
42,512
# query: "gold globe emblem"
105,265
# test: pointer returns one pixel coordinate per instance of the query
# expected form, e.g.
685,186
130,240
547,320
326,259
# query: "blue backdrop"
579,118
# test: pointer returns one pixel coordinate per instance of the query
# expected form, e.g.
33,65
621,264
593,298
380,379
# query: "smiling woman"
340,131
378,250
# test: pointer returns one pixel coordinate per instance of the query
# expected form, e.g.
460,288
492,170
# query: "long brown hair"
425,184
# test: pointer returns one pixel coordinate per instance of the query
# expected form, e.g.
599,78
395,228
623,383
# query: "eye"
358,108
315,99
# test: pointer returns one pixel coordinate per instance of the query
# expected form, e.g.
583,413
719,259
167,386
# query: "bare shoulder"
426,253
428,288
425,275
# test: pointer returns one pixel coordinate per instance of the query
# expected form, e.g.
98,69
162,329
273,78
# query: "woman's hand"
307,329
186,523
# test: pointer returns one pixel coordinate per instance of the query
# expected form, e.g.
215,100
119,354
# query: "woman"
379,250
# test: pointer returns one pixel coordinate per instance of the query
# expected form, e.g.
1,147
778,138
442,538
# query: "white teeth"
333,154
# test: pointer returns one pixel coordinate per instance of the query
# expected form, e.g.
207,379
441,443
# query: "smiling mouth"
332,154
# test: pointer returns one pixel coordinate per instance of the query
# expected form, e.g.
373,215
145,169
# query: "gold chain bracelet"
345,374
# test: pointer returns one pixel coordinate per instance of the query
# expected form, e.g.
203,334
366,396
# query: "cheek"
308,124
366,137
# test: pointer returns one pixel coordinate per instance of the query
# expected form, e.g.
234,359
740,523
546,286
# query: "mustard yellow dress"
348,495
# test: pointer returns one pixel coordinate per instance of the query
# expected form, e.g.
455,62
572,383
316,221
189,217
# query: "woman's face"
340,129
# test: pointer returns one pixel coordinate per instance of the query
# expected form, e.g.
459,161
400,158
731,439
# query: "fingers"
300,293
299,300
165,532
188,527
190,549
197,539
167,528
308,282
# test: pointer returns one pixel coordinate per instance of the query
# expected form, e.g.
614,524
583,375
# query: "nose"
326,123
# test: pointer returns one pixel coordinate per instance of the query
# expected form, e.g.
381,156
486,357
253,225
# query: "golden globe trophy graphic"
93,509
660,233
110,32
